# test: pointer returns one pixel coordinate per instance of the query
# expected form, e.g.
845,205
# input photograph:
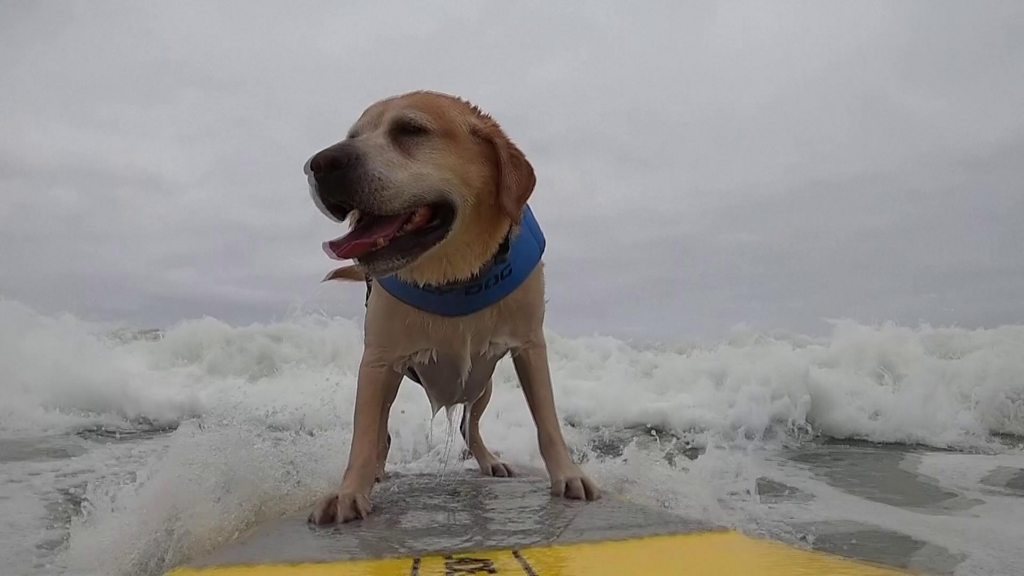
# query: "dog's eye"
409,129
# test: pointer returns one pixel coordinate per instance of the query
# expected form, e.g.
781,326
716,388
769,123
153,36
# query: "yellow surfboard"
462,525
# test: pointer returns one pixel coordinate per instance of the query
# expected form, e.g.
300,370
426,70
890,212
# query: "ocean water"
126,451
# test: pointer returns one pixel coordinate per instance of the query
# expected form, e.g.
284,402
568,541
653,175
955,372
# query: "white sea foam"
265,413
940,387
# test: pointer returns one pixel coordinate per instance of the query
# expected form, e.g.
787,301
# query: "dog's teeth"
418,219
421,216
381,242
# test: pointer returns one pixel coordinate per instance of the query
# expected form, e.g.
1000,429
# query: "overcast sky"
699,165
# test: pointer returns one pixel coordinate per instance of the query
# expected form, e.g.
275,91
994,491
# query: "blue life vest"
488,287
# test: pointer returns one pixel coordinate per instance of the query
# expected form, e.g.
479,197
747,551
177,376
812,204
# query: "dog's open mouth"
393,236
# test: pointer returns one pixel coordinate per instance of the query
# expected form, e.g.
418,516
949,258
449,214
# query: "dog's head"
429,184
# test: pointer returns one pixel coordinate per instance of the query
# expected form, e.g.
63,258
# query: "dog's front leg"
377,382
567,479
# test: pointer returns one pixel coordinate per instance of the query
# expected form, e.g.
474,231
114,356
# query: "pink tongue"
364,238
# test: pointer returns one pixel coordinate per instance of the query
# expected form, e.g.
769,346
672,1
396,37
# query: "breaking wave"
245,423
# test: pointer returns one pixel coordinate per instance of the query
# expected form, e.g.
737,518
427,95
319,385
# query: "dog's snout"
337,158
335,174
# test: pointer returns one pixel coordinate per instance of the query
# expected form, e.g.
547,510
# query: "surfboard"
462,524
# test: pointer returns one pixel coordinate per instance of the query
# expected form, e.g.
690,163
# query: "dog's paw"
573,484
341,507
497,469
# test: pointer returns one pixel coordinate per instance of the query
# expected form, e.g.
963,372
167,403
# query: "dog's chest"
454,375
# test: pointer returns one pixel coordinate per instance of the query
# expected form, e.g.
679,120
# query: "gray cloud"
699,165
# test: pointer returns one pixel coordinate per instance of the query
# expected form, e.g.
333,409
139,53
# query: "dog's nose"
335,174
330,160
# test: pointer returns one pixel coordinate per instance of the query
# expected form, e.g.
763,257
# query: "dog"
436,198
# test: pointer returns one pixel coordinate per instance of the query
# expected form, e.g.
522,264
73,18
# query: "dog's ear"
345,273
516,179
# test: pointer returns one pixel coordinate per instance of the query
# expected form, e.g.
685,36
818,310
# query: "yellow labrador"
433,190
